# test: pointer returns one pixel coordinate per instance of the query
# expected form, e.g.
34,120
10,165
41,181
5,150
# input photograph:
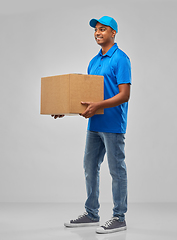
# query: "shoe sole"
102,230
74,225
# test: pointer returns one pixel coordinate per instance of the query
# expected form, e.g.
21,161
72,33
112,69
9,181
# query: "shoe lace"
81,216
110,222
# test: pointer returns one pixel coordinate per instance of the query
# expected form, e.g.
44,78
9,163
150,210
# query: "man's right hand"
57,116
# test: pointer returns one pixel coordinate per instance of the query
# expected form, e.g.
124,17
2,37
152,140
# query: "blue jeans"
97,144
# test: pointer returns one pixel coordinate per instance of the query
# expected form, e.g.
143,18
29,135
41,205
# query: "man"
106,133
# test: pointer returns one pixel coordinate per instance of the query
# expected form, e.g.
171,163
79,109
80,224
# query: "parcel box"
63,94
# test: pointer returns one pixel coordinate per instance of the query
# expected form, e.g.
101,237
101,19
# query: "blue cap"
105,20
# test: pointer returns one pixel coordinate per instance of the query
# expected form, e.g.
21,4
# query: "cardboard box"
63,94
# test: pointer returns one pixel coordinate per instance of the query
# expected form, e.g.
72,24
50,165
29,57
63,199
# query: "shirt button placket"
101,62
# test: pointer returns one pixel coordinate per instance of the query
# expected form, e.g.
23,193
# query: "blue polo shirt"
116,68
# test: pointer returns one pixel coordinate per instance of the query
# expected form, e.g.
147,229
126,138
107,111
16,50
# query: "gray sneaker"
113,225
82,221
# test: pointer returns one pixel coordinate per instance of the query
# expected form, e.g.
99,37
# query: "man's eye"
103,29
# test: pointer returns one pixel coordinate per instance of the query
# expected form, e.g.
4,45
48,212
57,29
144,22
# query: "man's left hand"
91,109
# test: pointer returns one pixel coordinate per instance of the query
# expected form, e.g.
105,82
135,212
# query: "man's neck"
106,48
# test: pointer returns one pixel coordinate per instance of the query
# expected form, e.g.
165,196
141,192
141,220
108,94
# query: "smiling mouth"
99,38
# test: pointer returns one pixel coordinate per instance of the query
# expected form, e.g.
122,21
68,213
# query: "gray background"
41,158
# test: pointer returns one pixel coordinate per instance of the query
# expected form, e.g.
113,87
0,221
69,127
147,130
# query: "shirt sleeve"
88,69
123,71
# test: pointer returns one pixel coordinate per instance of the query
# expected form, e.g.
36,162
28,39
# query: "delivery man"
106,132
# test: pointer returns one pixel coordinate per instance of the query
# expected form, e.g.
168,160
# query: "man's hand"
91,109
57,116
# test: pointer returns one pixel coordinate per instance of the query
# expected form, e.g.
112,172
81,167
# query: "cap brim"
93,22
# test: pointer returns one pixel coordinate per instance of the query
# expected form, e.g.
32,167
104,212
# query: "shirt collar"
110,51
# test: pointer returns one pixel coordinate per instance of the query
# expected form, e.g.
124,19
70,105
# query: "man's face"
103,34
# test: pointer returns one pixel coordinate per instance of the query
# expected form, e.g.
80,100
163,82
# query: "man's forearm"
121,97
114,101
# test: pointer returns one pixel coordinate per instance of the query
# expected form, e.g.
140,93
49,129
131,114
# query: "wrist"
100,104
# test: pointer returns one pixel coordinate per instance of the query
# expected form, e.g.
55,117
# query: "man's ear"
113,33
